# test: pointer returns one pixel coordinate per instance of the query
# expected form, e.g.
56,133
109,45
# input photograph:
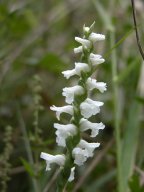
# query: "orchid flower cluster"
80,107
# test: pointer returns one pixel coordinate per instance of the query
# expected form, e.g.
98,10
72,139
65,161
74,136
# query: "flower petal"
78,49
71,177
95,127
86,43
96,37
96,59
58,159
93,84
63,132
70,92
65,109
90,107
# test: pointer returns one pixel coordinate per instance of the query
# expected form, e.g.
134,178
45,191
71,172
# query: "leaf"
130,143
28,167
134,184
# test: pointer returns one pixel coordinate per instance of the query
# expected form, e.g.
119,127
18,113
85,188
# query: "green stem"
28,148
116,111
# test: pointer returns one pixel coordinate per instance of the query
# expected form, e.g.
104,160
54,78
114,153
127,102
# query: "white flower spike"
81,108
58,159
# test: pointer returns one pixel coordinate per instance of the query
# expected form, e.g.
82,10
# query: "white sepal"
63,132
86,43
96,59
95,127
65,109
93,84
79,67
88,147
78,49
96,37
70,92
79,156
67,74
83,151
71,177
86,29
58,159
90,107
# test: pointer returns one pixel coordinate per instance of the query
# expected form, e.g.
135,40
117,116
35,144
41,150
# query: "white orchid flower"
93,84
63,132
70,92
96,59
79,68
90,107
95,127
58,159
96,37
65,109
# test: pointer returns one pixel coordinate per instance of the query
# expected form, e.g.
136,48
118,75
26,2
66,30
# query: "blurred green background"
36,45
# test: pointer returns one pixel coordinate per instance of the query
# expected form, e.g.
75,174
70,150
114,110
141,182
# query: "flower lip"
88,147
79,68
63,132
65,109
86,43
71,177
78,49
58,159
80,156
90,107
70,92
67,74
95,127
96,59
96,37
93,84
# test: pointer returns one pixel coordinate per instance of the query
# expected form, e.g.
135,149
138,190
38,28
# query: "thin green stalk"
116,111
28,148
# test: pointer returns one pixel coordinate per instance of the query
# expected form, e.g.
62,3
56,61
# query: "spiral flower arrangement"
80,107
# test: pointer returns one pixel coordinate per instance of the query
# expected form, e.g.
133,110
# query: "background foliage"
36,45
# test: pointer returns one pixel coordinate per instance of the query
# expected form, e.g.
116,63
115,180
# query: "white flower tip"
86,43
71,177
96,37
86,29
102,126
43,155
96,59
78,49
70,92
67,74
